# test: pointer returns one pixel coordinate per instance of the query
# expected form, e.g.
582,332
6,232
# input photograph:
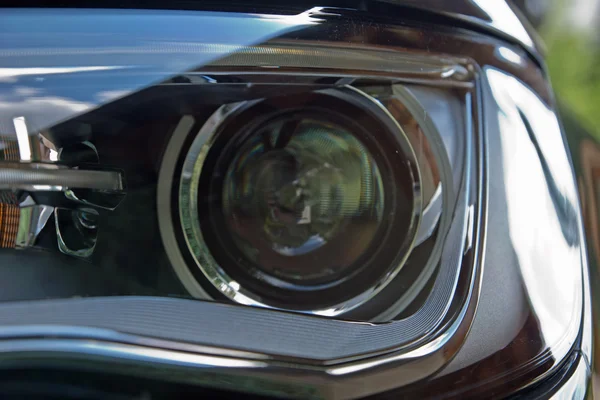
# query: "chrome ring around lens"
284,209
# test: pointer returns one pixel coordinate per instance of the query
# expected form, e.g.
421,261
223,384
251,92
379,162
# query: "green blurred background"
569,30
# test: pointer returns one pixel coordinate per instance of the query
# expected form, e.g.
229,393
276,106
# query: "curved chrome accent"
431,216
85,222
32,220
163,204
577,386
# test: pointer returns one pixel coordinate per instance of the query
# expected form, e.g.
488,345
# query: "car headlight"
354,173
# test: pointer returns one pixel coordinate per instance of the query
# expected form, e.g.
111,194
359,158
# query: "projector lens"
303,198
300,202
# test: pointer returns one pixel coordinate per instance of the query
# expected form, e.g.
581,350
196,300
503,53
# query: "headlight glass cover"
335,177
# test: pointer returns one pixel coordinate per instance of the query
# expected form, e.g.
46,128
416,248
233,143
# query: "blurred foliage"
573,60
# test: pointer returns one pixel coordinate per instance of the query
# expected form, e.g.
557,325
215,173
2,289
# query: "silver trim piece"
33,219
431,216
33,147
164,206
49,177
22,138
106,201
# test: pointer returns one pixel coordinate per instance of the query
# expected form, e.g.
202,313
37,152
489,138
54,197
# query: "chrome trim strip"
163,202
48,177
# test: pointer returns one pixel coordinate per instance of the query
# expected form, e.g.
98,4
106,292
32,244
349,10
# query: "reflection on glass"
509,55
299,187
78,49
540,189
504,19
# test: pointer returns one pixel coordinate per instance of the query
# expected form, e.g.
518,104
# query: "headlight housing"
307,164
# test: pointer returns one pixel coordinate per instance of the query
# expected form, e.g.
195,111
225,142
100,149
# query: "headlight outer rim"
415,354
336,381
474,220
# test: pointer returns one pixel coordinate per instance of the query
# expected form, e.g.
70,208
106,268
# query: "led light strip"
10,150
9,224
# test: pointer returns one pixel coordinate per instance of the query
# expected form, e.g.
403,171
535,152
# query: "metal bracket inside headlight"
39,178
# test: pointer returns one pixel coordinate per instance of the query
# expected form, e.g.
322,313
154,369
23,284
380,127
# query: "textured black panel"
201,323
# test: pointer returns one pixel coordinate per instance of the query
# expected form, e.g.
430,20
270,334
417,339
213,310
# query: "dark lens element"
307,202
303,198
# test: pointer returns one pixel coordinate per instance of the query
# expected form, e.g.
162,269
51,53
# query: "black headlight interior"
308,207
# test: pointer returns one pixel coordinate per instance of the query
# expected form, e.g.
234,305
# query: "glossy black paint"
500,18
534,340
